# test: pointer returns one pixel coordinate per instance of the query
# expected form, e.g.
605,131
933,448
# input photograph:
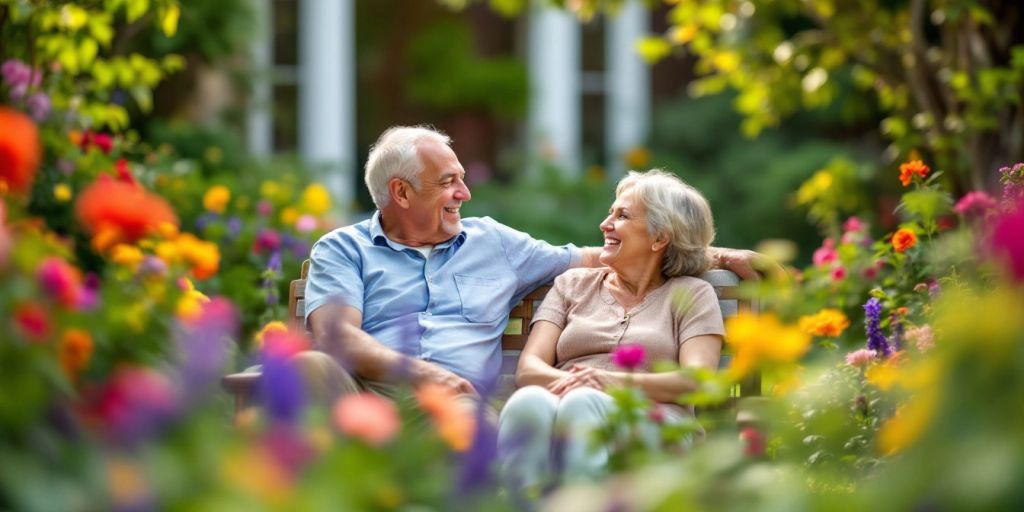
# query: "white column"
326,93
554,67
259,118
627,82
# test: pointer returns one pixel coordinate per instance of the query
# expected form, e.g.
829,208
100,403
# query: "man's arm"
337,330
746,264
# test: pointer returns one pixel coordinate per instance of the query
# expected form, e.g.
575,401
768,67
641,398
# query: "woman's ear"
659,243
399,190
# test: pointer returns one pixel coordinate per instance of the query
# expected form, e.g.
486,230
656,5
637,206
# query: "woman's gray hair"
678,212
394,155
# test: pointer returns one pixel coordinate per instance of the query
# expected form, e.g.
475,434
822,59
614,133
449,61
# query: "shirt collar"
381,239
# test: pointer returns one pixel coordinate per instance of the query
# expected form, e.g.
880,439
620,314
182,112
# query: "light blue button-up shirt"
450,309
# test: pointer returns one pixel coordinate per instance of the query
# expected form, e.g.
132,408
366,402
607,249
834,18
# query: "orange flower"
203,257
903,239
455,423
368,417
19,150
827,322
909,169
75,351
116,212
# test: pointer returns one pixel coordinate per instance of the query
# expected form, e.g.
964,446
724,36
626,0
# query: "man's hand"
423,372
745,264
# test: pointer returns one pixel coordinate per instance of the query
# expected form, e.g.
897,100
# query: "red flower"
103,141
267,240
123,172
911,168
753,439
32,321
19,150
903,239
118,212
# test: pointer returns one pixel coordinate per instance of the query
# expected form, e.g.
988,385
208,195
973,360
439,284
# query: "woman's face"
626,240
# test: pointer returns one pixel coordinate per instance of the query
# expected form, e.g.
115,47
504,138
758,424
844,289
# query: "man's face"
434,206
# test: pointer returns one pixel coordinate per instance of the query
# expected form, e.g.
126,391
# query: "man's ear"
399,190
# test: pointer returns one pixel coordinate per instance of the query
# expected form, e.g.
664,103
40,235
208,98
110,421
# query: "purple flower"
205,345
39,106
19,77
205,220
896,326
873,327
629,356
234,226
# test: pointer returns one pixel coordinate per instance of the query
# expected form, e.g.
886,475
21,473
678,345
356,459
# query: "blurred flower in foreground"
629,356
133,403
190,304
276,326
753,441
116,212
1007,241
757,340
75,351
20,151
455,424
827,322
61,281
282,386
368,417
903,239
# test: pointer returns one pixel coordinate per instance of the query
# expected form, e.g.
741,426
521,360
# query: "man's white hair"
394,155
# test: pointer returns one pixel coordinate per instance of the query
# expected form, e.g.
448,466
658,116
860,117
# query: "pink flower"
838,273
629,356
61,281
922,337
368,417
264,208
853,224
305,223
1007,242
33,321
861,357
975,204
825,254
267,240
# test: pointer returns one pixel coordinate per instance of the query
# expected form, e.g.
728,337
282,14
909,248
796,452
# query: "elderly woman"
656,238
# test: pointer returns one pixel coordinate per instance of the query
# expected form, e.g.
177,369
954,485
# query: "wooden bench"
726,284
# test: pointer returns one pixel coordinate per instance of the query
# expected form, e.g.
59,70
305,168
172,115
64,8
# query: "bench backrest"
725,283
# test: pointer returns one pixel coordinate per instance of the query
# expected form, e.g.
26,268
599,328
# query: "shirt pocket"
481,298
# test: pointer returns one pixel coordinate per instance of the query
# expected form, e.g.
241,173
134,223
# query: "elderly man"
417,293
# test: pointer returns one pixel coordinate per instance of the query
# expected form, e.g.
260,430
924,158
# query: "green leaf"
926,203
135,9
169,20
87,51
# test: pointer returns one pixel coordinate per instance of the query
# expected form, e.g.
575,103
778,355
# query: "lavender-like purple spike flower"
896,326
873,327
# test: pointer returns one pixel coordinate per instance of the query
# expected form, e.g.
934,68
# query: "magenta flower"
975,204
838,273
267,241
1006,242
853,224
630,356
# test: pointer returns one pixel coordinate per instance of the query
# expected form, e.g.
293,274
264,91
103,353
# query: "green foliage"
446,75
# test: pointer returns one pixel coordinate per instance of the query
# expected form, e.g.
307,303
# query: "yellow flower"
827,322
682,34
167,230
191,302
315,199
203,257
883,375
814,187
62,192
726,62
126,255
760,340
216,198
289,215
637,158
906,426
168,252
275,326
270,189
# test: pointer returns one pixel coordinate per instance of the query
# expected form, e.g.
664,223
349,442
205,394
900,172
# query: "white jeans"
542,436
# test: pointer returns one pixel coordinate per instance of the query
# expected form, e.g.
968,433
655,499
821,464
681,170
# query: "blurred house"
331,74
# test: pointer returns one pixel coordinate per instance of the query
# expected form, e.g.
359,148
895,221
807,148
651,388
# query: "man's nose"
462,193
